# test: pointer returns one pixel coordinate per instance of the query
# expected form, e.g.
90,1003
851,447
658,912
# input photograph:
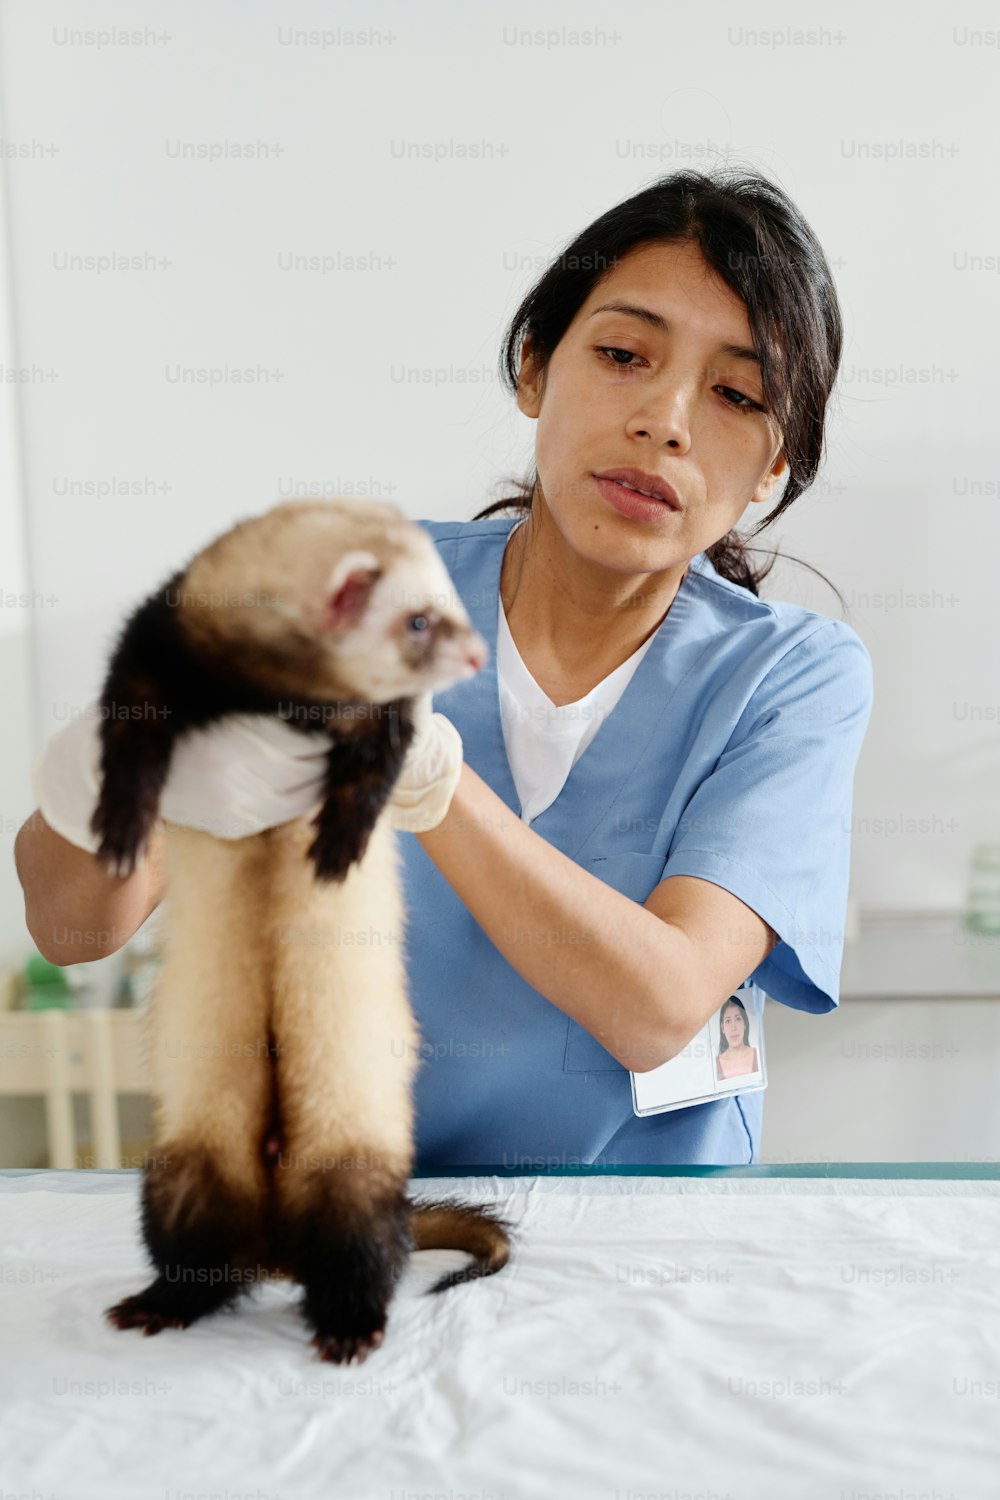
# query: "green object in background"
982,906
46,985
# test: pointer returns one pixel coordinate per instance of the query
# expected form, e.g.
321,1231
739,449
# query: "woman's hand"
246,773
431,771
242,775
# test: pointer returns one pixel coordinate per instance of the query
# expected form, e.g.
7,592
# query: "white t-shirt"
544,741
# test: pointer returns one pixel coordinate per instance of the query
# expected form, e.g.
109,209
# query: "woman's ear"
769,483
530,381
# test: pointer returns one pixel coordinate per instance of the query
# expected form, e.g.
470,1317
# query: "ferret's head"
334,599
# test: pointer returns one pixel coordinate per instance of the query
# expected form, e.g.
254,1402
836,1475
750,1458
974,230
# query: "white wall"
908,504
18,614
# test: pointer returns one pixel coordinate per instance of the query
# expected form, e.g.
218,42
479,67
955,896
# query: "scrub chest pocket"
635,876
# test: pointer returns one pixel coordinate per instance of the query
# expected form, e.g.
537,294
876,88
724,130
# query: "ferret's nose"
477,654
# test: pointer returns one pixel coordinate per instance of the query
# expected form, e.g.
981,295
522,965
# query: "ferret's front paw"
347,1349
122,844
141,1312
333,855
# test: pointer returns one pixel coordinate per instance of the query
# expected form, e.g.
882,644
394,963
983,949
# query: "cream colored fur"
265,949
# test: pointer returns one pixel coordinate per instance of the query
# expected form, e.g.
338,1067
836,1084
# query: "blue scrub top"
730,755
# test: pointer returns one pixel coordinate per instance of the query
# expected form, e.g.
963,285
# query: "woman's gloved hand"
242,775
431,771
237,777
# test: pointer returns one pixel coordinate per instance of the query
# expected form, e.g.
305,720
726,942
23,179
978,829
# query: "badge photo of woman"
736,1056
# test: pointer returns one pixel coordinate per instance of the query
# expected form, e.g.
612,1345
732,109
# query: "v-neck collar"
625,737
529,688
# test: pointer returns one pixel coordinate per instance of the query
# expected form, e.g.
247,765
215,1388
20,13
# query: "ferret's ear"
349,587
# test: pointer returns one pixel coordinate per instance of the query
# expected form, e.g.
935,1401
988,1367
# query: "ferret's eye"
418,624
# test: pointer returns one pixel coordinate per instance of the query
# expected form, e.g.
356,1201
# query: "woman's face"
732,1027
673,404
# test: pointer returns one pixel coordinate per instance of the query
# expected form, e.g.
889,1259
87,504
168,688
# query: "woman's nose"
664,414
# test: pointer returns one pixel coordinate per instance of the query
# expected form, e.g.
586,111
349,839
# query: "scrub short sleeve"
772,821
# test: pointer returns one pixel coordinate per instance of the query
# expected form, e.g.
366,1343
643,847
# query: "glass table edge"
903,1171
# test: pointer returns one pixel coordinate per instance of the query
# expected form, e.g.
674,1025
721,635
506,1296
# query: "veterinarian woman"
642,803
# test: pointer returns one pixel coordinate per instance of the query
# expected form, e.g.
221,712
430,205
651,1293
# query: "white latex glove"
237,777
431,771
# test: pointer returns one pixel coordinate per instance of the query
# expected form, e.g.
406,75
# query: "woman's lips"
646,483
628,503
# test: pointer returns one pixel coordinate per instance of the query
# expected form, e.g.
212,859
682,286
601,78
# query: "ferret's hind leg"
347,1240
211,1060
198,1230
347,1050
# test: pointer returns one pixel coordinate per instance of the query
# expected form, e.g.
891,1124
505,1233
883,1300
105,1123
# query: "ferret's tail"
475,1227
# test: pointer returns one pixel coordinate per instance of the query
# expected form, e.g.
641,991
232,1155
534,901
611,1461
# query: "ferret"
281,1057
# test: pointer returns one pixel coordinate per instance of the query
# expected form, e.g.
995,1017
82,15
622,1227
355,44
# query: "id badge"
726,1057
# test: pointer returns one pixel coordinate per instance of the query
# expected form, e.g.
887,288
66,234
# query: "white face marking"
384,655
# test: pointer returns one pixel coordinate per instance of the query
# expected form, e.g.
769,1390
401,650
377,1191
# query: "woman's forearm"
74,910
616,968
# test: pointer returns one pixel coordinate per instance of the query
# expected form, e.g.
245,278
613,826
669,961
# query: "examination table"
812,1332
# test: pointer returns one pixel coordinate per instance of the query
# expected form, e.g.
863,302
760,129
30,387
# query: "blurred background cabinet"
906,1070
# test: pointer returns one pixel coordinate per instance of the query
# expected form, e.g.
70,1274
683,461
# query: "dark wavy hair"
753,235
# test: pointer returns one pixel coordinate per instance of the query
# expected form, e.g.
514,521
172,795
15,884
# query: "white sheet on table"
624,1353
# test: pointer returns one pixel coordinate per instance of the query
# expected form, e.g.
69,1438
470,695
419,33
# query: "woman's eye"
741,403
732,397
609,351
